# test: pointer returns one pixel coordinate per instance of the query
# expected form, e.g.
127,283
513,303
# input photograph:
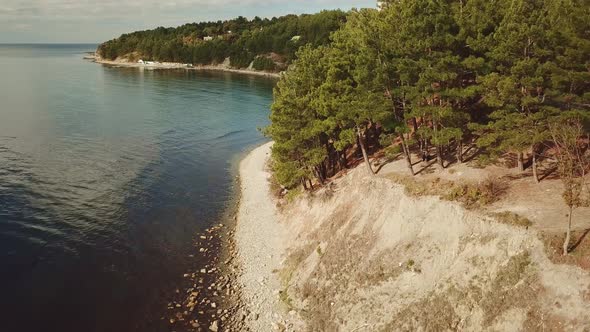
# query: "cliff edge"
361,255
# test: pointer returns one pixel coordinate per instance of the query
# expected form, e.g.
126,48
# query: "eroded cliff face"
366,257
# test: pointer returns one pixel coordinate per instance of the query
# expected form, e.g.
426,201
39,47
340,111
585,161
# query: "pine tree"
381,34
427,62
352,95
518,86
298,154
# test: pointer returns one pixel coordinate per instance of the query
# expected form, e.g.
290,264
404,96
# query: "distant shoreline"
172,65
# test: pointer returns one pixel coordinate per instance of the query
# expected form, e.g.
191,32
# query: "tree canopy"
432,75
240,39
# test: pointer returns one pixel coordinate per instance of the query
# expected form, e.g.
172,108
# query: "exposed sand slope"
363,256
174,65
368,257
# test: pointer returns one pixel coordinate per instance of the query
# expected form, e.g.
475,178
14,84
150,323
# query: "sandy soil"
261,240
173,65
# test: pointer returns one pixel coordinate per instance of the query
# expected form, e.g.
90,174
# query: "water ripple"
105,175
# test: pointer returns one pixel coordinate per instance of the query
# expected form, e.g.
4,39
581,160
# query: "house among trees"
210,42
381,5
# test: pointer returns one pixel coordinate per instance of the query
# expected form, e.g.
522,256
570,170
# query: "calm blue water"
106,174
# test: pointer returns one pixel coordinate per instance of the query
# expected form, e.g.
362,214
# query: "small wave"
231,133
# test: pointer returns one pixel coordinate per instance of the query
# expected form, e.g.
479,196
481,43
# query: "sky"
94,21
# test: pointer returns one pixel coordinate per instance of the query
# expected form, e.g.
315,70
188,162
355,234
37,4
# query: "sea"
106,175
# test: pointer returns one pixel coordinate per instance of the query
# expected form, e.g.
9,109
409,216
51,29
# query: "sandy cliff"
360,255
125,62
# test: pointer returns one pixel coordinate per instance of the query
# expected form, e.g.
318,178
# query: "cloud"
22,27
99,20
84,9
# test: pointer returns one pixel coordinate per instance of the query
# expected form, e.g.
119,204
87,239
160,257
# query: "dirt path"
539,202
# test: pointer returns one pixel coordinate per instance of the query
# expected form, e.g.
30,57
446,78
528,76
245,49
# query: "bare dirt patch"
580,249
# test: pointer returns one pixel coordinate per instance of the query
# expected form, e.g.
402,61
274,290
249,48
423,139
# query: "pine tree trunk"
406,150
439,157
318,174
520,161
334,162
566,243
364,151
303,181
460,152
310,184
342,156
415,125
535,173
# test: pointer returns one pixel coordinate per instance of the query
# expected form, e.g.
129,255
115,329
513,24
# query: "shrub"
511,218
264,63
475,195
392,152
292,194
240,59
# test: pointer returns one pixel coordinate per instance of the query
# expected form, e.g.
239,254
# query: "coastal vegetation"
509,79
241,40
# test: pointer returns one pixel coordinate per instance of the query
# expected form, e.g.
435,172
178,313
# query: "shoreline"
268,256
209,295
213,295
260,240
173,65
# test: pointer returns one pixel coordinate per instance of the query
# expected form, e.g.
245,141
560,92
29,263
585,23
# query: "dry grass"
339,266
326,193
438,311
471,195
474,195
382,269
334,268
517,277
511,218
292,263
433,313
417,188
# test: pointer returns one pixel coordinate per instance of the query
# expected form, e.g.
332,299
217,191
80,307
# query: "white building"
208,38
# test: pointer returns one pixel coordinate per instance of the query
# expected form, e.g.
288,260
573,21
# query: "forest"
427,78
240,39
